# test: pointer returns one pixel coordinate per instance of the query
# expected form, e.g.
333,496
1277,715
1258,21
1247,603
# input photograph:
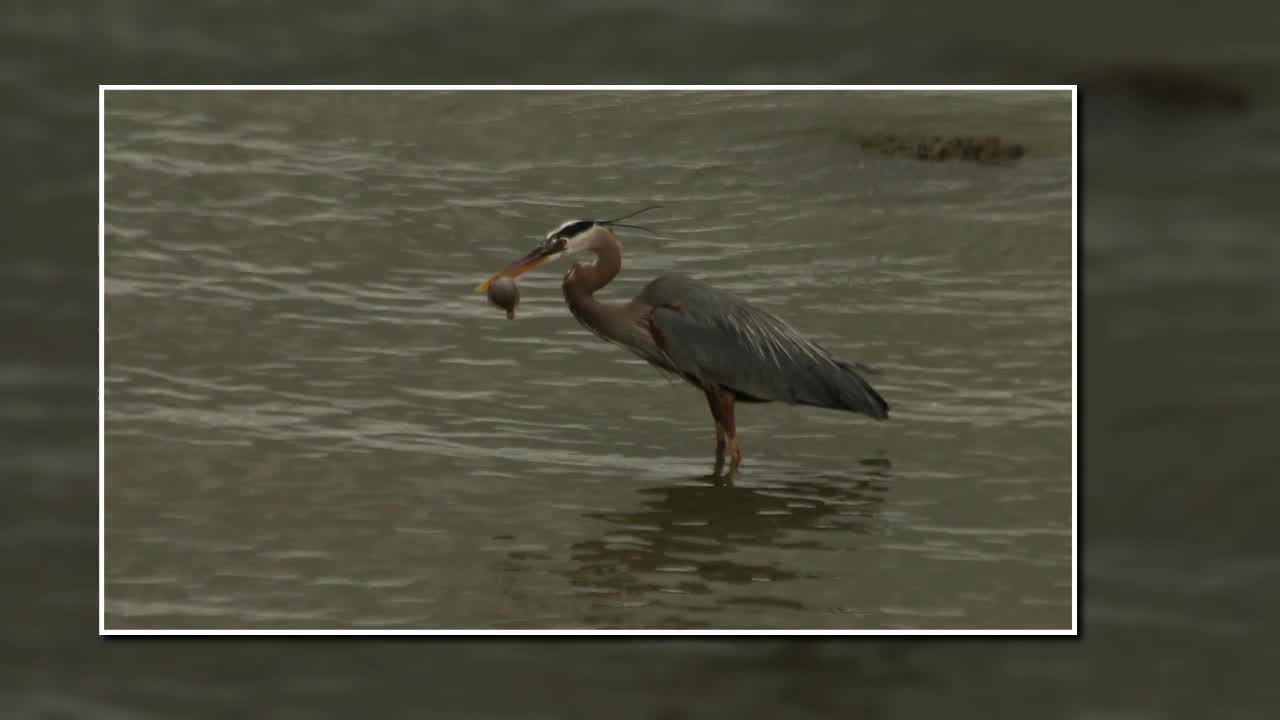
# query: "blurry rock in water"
504,293
988,150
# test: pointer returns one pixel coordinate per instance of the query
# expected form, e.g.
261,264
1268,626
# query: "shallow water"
313,420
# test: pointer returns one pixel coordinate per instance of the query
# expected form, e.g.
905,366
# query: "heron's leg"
714,403
719,447
721,404
730,429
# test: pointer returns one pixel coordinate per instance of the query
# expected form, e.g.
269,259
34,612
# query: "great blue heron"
719,343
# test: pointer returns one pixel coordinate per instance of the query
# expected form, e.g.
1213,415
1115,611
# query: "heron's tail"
853,392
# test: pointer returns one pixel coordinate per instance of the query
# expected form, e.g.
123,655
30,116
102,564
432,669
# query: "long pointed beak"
536,257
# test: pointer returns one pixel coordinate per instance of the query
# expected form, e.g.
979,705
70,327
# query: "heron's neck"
607,264
585,279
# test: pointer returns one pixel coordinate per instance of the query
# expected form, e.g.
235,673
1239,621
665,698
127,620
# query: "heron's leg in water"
713,402
719,446
721,404
731,429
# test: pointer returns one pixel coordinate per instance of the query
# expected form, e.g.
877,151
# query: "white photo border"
1074,630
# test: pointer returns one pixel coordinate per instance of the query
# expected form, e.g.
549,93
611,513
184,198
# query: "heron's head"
570,237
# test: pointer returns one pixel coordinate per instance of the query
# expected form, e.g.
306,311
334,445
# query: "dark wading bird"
723,345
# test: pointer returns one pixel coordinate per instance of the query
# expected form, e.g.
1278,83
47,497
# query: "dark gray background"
1179,351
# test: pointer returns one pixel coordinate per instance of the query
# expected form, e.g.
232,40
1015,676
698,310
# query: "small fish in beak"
504,293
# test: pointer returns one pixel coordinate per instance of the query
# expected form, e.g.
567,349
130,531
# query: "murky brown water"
314,421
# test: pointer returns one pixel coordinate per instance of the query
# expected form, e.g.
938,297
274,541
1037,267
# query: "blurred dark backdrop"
1179,354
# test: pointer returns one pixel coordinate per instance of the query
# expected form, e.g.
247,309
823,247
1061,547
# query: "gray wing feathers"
718,338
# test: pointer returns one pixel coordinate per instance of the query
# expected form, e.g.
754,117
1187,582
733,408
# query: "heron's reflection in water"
712,537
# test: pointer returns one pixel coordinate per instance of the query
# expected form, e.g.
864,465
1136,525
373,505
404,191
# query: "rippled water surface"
313,421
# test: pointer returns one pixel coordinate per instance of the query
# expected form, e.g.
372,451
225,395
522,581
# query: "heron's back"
711,336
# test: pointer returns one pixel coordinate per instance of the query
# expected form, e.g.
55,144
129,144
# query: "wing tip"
881,409
877,407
